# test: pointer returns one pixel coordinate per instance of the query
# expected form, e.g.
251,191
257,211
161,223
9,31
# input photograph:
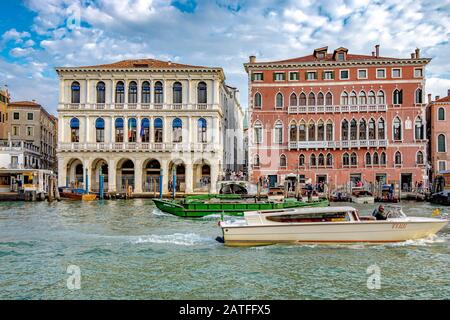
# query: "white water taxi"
326,225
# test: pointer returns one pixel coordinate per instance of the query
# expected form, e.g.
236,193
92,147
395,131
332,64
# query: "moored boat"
232,205
326,225
76,194
361,196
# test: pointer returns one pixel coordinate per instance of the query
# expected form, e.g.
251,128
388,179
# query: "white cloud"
15,35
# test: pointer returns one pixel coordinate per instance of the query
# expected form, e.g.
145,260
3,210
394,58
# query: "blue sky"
38,35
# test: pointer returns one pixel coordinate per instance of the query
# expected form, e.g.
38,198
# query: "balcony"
136,147
337,109
137,106
297,145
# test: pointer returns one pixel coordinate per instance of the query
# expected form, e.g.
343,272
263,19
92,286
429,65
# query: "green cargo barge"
231,205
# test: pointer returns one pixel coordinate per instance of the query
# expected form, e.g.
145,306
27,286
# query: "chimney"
373,53
448,92
252,59
429,97
413,55
417,53
437,98
377,50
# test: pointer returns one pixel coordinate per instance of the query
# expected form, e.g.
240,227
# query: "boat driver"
379,213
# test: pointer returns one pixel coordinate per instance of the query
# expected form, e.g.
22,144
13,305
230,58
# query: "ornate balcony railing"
293,145
137,106
338,108
136,147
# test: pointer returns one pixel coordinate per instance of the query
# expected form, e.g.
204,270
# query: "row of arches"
132,95
177,130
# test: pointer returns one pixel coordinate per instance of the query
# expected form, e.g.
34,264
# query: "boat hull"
363,200
197,210
343,232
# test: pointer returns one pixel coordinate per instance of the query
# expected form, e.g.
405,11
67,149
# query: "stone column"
214,176
62,172
112,138
125,129
87,170
138,129
112,175
87,127
166,174
189,178
138,163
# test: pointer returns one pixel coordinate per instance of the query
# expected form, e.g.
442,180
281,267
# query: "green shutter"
284,75
323,75
332,75
315,75
274,76
262,76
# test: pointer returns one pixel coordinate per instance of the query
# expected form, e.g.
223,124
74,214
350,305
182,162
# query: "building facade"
439,134
338,117
4,100
131,119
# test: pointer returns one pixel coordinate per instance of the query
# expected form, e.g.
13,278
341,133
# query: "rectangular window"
311,75
328,75
341,56
258,76
396,73
381,73
294,76
15,130
30,116
362,73
16,116
418,73
14,162
279,76
442,165
344,75
29,131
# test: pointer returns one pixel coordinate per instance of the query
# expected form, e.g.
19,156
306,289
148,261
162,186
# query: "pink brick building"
338,117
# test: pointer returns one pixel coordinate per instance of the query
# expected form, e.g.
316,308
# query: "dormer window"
341,56
320,55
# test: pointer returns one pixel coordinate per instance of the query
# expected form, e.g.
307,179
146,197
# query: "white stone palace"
132,118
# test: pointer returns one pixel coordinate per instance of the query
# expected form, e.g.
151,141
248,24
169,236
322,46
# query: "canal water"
130,250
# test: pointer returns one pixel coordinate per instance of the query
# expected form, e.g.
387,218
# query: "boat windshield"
394,212
311,217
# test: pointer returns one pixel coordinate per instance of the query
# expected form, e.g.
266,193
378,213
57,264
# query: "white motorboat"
326,225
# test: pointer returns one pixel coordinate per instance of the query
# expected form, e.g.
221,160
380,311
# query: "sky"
38,35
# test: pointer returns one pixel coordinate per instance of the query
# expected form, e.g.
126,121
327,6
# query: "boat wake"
181,239
422,242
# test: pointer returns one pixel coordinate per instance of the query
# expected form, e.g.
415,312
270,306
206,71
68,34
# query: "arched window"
376,160
320,131
132,130
101,89
202,93
177,93
362,130
353,159
353,98
75,88
177,130
119,129
302,131
397,96
158,126
256,164
145,130
302,100
397,129
362,98
132,92
381,129
279,100
441,114
320,99
329,99
258,133
344,129
419,96
293,132
368,159
383,159
301,160
442,144
398,158
311,131
353,130
311,99
312,160
75,130
329,131
120,92
346,160
372,129
372,98
419,157
100,130
381,98
159,94
329,160
419,130
321,160
293,100
278,132
283,161
202,131
344,98
145,92
258,100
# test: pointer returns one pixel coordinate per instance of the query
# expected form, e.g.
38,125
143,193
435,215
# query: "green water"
130,250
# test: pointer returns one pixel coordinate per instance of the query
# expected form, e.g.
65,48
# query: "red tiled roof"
444,99
329,57
141,63
24,104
